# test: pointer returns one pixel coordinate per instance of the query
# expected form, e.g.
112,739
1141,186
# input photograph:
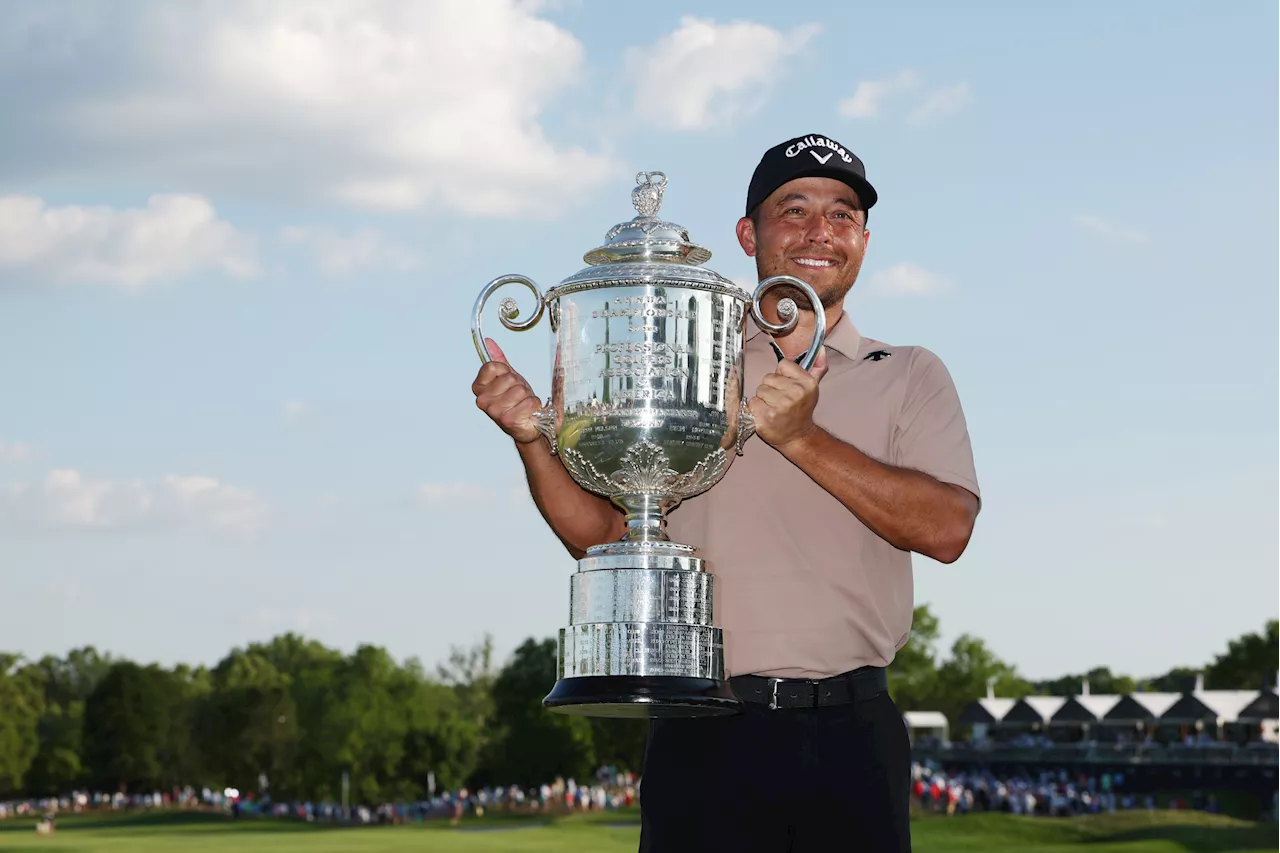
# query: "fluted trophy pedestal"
641,640
647,410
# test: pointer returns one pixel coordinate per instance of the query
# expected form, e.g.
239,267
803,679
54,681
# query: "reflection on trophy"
647,408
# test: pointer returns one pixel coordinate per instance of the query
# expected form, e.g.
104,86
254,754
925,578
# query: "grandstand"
1198,716
1200,736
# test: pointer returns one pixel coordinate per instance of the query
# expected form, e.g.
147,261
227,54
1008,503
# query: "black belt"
855,686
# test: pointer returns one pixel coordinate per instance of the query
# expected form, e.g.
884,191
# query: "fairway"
1136,832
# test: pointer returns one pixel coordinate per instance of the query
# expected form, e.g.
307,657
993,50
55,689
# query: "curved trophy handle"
790,314
508,311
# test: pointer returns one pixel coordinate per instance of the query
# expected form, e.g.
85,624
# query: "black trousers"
836,778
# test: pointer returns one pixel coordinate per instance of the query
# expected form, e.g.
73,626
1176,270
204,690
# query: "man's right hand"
506,397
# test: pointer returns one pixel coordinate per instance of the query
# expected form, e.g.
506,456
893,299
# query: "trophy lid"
646,249
646,237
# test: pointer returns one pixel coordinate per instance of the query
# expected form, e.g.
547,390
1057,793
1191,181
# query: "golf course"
617,832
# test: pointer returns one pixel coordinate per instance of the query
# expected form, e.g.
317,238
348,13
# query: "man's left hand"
784,403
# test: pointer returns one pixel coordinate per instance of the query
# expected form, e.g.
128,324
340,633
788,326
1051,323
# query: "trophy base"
641,640
641,696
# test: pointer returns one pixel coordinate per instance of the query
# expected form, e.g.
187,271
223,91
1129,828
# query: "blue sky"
239,245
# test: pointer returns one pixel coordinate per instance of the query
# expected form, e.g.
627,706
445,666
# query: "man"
810,536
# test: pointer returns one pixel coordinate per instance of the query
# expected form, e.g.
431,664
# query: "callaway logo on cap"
816,144
811,156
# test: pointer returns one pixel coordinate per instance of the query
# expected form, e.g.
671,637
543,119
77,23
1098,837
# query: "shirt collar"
843,337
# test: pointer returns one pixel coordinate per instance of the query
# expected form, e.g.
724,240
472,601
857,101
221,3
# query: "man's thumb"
820,364
495,351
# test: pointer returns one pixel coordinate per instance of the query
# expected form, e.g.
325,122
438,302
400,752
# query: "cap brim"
866,193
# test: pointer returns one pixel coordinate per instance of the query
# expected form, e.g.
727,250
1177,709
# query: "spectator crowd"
935,790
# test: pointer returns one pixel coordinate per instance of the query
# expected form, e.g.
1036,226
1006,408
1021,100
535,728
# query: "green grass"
1132,832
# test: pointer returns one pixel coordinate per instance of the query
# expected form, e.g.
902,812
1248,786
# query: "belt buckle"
773,695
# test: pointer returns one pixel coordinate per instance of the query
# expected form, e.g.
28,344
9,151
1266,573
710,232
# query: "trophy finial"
647,196
645,238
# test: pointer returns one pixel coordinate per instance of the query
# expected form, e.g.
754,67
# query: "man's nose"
819,230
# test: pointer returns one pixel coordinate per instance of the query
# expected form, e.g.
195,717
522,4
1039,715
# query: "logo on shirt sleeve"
877,355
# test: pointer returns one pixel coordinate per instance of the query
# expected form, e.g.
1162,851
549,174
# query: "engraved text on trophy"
648,365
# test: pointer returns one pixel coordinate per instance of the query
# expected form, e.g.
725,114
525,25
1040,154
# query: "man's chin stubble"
786,291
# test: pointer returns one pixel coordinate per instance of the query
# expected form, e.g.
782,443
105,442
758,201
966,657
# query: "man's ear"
747,236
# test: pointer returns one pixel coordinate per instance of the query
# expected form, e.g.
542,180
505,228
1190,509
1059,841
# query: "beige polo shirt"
803,588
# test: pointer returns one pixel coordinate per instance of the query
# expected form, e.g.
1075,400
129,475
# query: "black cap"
812,156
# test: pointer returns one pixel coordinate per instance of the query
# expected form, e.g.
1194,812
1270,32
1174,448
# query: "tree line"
301,715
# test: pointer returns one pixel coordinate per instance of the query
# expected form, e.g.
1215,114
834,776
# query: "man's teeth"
809,262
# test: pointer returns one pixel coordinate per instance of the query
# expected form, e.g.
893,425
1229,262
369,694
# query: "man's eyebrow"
790,197
847,201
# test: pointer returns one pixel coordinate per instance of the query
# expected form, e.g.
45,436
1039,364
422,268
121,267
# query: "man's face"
813,229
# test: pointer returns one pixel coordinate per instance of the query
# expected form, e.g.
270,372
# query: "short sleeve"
931,434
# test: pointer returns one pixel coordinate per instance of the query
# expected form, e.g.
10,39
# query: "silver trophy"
647,408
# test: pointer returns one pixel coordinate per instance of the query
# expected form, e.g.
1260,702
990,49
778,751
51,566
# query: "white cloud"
294,410
342,254
14,451
941,102
868,98
174,235
375,103
1112,231
704,73
907,279
66,499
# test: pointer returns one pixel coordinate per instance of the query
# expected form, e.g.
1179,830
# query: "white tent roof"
1045,706
1099,704
1226,704
996,706
925,719
1156,703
